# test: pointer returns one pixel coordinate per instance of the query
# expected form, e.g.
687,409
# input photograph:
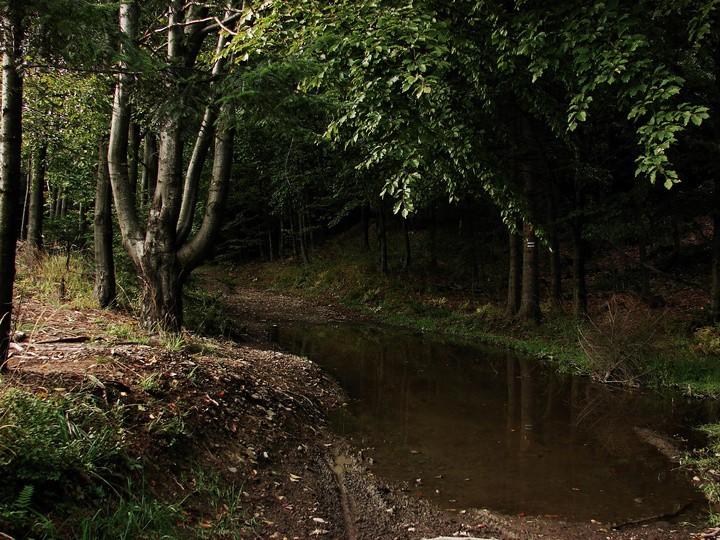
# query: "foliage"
707,340
50,444
54,439
705,463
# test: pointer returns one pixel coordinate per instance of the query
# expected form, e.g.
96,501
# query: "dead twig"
658,517
69,339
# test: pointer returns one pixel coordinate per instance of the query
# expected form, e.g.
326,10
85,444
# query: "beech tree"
161,247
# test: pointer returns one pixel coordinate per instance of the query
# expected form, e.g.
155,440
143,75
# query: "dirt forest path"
366,506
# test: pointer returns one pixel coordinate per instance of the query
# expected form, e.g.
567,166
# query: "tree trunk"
578,244
471,236
554,240
82,226
162,262
37,199
433,237
530,298
57,203
293,236
365,216
407,256
715,292
161,289
200,151
10,161
104,264
302,238
192,253
118,147
27,177
134,155
150,167
382,238
514,288
51,206
281,239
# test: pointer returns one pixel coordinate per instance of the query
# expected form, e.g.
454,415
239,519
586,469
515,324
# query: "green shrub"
46,439
707,340
55,449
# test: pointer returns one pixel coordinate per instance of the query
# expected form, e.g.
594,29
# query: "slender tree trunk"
407,256
26,201
200,151
474,258
715,291
192,253
51,206
365,216
82,225
150,167
103,233
10,160
554,241
514,288
37,199
293,236
134,155
57,205
433,237
311,231
281,239
64,206
382,238
530,298
578,244
302,236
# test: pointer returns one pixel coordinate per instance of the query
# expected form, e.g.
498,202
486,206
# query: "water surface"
469,426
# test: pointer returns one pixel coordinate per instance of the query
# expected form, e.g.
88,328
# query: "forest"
359,269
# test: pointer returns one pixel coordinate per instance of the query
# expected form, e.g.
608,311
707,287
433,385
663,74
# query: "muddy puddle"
468,426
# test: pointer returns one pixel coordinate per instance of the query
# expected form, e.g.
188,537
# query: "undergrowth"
705,462
67,473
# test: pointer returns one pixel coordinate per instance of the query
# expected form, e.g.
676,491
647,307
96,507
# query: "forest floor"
210,438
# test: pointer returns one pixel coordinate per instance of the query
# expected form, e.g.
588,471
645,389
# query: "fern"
22,503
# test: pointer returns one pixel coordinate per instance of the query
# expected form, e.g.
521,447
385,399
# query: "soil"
257,416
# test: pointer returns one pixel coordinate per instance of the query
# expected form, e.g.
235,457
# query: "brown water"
469,426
